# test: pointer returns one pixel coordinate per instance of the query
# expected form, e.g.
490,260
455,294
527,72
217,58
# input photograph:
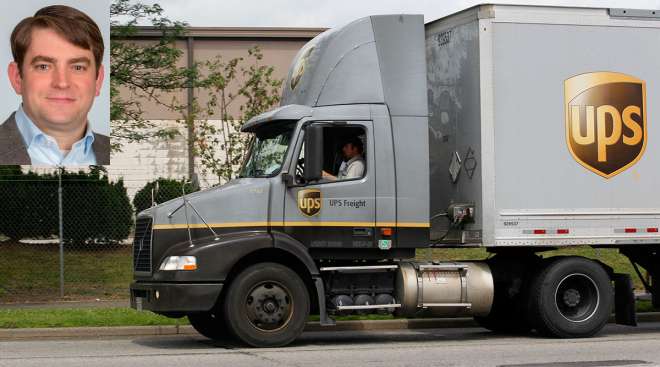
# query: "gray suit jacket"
14,151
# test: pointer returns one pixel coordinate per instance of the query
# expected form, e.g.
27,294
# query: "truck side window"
343,156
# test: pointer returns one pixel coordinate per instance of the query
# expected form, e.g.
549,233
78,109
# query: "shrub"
95,210
163,190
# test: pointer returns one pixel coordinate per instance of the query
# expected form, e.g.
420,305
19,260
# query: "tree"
146,70
150,71
256,91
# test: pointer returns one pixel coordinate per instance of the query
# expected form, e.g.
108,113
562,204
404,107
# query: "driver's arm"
328,176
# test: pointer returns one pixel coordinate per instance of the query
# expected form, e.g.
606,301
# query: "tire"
267,305
210,324
571,297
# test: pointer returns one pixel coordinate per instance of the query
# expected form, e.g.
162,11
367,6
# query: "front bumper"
174,297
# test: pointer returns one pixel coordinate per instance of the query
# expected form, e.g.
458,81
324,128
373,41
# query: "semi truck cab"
252,258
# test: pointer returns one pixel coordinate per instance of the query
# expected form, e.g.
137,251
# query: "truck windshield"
267,150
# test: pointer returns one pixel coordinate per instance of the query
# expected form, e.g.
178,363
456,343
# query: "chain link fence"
63,236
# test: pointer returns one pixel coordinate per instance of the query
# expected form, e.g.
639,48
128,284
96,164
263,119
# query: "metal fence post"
61,223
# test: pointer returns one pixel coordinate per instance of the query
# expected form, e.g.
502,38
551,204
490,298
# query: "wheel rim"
268,306
577,297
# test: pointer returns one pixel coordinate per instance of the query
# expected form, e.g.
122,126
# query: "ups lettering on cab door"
309,202
605,121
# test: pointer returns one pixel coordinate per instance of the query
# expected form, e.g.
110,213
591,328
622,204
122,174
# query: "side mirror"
313,153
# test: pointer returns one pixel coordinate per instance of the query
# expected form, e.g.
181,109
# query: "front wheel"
571,297
267,305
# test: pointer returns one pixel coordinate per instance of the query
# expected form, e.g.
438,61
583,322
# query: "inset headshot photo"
55,93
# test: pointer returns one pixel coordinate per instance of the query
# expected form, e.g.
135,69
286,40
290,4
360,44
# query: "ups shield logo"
605,121
309,202
300,66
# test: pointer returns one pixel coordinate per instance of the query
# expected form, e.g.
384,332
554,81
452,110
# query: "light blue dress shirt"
44,151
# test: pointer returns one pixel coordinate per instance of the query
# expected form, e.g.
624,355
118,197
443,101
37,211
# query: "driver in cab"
353,164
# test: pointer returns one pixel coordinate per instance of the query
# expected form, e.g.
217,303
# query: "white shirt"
43,149
354,168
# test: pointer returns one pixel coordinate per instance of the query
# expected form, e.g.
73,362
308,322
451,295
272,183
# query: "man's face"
58,81
349,150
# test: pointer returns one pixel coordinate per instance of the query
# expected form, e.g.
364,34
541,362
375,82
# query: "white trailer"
549,119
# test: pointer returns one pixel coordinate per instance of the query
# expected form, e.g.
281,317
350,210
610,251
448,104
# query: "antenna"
154,191
185,208
185,205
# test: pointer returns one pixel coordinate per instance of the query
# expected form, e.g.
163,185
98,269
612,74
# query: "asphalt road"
616,346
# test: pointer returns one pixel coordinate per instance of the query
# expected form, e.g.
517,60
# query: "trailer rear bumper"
174,297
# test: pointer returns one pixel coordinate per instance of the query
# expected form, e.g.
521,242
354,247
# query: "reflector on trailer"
539,231
631,230
562,231
652,230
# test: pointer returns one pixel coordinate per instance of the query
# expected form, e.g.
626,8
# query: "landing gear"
267,305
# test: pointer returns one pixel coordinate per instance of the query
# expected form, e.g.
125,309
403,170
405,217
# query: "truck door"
339,210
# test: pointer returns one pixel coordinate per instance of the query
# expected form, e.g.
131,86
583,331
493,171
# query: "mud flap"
624,300
655,290
325,320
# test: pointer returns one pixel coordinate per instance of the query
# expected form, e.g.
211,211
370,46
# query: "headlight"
179,263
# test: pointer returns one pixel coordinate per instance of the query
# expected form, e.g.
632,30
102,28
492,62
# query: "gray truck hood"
241,202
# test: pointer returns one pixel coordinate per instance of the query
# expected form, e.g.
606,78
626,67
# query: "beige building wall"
140,163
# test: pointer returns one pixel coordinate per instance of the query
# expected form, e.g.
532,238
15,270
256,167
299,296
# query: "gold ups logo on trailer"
605,121
309,202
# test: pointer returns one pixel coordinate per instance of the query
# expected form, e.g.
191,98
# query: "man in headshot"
57,71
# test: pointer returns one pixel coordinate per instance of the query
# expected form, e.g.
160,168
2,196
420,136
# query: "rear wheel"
571,297
267,305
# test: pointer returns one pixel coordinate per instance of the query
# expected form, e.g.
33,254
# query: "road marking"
580,364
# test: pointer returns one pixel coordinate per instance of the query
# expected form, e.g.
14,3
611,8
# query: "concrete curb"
357,325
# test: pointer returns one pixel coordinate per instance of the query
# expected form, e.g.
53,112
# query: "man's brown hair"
72,24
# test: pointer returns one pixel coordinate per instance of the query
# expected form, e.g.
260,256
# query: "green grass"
90,317
81,317
611,257
30,273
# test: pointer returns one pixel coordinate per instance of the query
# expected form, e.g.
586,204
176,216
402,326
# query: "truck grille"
142,245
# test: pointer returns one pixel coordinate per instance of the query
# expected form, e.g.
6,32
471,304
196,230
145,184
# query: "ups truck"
516,129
